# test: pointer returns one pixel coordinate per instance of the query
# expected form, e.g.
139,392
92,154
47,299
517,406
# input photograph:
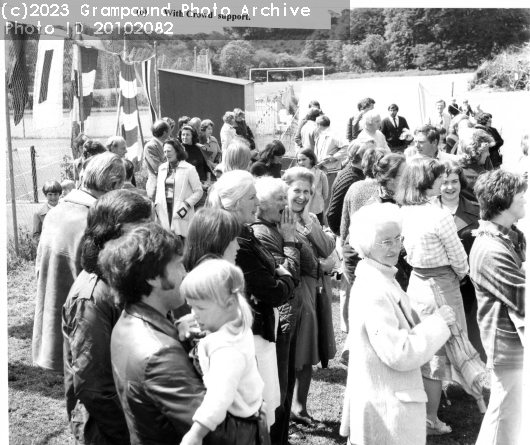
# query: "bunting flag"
128,115
423,94
145,73
48,87
89,62
17,75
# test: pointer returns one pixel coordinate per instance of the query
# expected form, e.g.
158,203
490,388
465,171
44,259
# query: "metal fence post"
34,175
10,160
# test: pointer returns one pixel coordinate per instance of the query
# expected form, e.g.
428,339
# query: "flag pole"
157,85
80,84
9,149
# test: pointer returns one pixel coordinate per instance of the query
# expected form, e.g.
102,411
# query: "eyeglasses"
388,244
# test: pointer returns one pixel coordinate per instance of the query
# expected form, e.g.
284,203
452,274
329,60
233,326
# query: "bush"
27,250
509,71
141,177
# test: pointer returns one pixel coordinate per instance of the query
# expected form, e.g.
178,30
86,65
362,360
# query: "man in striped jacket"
498,274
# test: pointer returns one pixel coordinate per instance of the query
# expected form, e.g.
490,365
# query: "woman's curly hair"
472,144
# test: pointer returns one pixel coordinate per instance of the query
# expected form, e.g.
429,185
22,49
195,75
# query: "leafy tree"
365,21
236,58
371,54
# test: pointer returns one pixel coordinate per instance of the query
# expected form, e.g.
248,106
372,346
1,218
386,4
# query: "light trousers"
502,422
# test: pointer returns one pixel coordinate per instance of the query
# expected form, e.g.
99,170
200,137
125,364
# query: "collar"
512,234
260,220
385,195
246,233
81,197
356,169
151,316
387,271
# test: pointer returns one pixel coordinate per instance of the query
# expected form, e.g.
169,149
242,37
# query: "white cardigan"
384,402
187,188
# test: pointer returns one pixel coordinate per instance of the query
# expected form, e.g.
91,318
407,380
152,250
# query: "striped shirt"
431,239
496,260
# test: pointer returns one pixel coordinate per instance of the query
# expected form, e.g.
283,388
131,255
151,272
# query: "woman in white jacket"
384,402
178,189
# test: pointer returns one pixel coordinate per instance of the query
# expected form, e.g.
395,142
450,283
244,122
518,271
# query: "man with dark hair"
392,127
497,272
157,384
426,140
353,129
154,154
313,105
453,108
129,176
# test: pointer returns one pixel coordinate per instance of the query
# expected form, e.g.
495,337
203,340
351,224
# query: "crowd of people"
194,311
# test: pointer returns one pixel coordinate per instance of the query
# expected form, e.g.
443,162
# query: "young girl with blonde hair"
215,290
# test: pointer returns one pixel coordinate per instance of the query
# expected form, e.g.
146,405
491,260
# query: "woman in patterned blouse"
434,251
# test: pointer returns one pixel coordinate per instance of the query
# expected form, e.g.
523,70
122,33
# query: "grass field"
37,413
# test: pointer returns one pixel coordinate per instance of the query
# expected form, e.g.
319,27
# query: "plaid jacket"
496,271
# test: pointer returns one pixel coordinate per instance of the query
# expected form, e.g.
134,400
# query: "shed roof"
210,77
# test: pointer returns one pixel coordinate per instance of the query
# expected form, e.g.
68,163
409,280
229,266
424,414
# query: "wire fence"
41,155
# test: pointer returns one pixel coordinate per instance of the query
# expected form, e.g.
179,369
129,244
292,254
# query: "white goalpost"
296,68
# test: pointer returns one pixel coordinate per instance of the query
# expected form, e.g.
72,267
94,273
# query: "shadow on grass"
22,331
331,375
331,433
48,383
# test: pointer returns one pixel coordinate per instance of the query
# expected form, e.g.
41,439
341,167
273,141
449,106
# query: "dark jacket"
352,128
264,290
466,219
288,255
343,181
158,386
92,403
38,219
495,156
392,133
453,110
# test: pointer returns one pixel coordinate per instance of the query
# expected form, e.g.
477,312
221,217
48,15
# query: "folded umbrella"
467,369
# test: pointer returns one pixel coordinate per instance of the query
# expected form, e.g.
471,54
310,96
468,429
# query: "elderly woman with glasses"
434,251
384,402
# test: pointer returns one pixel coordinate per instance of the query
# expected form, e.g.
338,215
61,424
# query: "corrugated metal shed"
184,93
